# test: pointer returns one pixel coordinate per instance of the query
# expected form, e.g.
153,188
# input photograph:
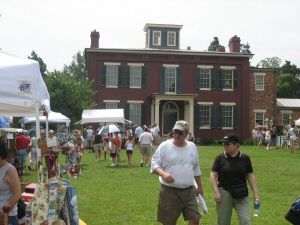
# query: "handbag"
293,214
21,208
239,190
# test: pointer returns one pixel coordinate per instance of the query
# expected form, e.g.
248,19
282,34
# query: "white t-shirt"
181,162
146,138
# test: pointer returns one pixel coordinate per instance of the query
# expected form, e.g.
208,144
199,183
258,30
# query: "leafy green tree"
288,83
43,66
288,86
214,44
68,94
273,62
77,68
245,48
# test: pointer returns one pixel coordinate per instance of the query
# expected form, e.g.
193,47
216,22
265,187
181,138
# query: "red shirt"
22,142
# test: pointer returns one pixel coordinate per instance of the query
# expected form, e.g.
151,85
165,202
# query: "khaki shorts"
98,147
145,149
174,201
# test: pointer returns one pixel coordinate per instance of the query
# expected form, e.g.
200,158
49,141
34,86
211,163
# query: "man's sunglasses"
179,132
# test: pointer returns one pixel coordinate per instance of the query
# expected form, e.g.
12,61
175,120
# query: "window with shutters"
135,76
227,116
171,38
205,79
170,80
259,82
135,113
157,38
227,80
111,75
205,116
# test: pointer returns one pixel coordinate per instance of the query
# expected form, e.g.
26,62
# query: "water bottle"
256,207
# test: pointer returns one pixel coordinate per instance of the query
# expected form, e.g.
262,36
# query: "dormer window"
156,38
171,38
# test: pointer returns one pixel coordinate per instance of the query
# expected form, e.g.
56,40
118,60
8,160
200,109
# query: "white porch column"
156,110
191,115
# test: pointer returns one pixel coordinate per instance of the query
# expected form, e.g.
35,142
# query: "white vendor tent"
22,89
103,116
54,117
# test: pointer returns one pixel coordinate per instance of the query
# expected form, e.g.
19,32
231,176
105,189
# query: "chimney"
95,39
234,44
220,49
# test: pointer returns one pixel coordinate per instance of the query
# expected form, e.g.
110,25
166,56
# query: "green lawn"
122,195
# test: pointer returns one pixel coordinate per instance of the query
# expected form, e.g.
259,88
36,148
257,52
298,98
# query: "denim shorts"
21,155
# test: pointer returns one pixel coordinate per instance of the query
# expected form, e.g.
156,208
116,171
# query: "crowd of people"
275,137
175,161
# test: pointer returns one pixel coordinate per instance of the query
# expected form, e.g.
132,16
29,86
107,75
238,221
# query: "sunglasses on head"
179,132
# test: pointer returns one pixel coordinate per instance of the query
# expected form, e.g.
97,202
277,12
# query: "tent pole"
37,120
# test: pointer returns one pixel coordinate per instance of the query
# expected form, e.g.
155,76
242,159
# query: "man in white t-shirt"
177,164
145,141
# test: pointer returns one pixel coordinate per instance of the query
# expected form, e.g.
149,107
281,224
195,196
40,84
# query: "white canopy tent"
103,116
22,89
54,117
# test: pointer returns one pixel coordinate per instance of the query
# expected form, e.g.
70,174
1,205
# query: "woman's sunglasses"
179,132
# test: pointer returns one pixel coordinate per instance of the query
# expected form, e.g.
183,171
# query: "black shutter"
162,80
198,79
197,115
213,79
120,76
178,81
236,79
213,116
164,38
236,111
220,78
103,80
127,76
219,117
126,111
143,114
144,77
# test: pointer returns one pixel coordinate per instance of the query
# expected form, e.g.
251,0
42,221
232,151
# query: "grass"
112,196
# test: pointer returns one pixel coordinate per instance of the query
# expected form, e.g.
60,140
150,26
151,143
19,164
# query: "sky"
57,29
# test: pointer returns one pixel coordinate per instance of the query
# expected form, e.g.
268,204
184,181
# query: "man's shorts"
145,149
174,201
21,155
98,147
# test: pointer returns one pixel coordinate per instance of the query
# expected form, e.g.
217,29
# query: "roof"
102,115
148,25
288,102
167,52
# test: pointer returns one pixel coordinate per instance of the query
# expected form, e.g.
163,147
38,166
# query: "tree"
43,66
273,62
288,83
214,44
245,48
68,94
77,68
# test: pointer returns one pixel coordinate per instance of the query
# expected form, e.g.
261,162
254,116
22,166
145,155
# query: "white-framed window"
227,116
157,38
259,82
227,79
170,79
286,118
171,38
205,115
135,113
135,76
259,118
205,78
111,104
111,75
